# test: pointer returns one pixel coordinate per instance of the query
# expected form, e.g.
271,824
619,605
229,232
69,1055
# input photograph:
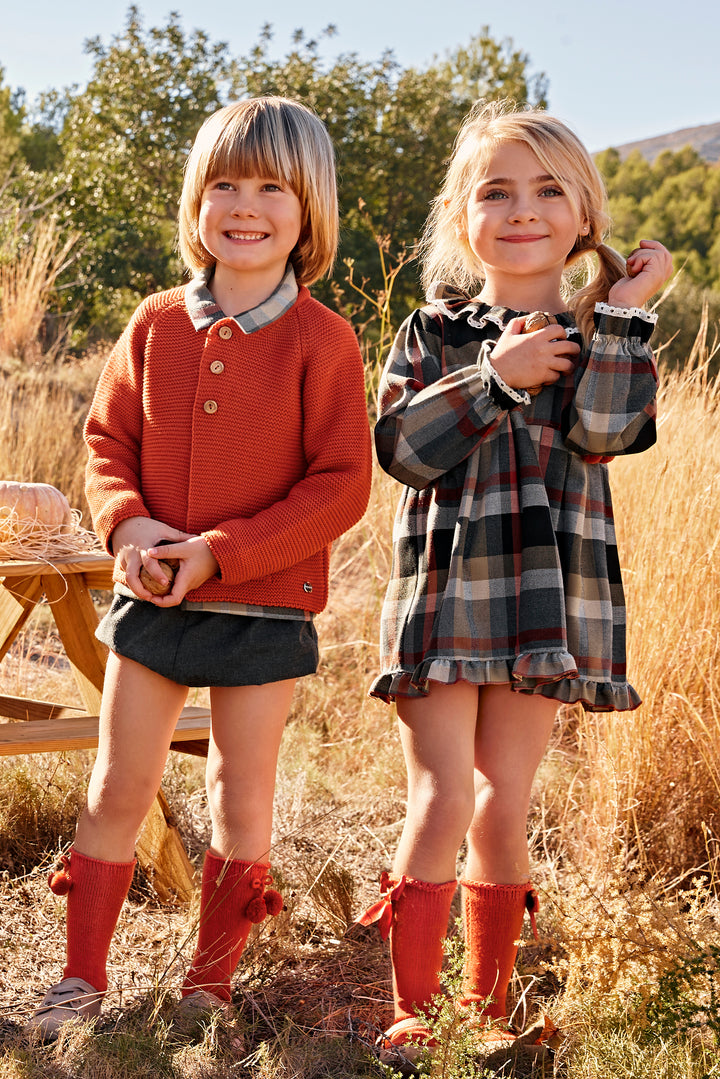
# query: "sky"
618,72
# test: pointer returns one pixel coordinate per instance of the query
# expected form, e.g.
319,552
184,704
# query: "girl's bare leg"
437,733
512,734
138,716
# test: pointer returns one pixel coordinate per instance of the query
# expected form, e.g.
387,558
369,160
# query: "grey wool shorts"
204,648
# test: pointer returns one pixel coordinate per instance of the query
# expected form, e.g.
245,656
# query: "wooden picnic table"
41,726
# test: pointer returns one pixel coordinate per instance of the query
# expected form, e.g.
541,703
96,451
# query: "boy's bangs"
253,150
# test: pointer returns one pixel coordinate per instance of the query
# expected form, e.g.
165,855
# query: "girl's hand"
538,358
197,564
648,268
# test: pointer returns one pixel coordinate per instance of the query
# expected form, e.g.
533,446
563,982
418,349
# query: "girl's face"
521,225
250,225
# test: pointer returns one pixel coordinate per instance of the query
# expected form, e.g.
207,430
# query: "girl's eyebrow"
509,180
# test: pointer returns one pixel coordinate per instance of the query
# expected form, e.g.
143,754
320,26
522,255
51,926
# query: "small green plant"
687,997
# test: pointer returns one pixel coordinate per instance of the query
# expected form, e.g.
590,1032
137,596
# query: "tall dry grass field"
645,794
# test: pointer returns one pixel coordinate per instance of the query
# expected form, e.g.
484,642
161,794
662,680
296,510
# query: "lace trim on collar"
454,304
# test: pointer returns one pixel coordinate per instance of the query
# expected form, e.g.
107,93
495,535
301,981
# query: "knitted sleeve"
113,431
333,493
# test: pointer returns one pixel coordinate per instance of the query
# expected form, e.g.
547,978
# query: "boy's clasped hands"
135,545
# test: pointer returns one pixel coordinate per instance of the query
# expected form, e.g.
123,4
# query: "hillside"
704,139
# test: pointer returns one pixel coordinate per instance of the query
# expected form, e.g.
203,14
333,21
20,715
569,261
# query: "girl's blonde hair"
275,138
445,251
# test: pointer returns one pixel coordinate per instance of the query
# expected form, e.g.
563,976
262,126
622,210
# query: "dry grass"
641,791
27,283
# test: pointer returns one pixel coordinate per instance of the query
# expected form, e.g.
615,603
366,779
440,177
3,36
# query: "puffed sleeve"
613,409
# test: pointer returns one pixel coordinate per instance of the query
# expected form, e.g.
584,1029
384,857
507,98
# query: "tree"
124,139
11,117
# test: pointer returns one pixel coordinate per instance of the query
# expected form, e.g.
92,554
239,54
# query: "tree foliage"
121,142
107,158
675,199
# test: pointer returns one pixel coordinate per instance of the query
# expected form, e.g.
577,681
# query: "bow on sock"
59,880
267,901
382,911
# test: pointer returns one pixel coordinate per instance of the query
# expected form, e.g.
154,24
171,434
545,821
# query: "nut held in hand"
169,566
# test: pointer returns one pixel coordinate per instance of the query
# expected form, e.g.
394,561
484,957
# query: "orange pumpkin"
24,503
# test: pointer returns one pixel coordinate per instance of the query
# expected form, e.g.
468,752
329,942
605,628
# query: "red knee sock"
415,914
493,917
234,895
96,891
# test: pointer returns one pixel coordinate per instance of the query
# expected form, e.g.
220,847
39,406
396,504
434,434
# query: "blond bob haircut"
277,139
445,251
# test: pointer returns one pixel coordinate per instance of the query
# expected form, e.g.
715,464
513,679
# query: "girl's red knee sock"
234,895
493,917
96,891
415,914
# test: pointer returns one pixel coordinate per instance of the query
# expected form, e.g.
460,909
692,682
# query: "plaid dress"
505,563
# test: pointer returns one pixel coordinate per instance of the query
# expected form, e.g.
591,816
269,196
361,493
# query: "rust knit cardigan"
260,442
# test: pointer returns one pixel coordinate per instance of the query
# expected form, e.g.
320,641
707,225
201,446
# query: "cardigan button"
307,587
225,332
210,407
217,367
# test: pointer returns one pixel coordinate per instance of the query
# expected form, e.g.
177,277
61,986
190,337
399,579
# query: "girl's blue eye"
551,192
495,195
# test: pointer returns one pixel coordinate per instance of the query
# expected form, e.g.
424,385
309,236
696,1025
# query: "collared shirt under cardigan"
251,431
505,563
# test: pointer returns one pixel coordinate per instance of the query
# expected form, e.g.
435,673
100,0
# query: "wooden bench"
39,726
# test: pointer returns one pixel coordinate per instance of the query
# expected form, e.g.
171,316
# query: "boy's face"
250,225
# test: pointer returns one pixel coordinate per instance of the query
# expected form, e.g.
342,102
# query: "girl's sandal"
404,1044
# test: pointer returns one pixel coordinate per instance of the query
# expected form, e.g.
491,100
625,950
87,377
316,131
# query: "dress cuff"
624,321
500,393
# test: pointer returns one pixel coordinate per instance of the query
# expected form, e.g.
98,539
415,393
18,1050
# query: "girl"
230,423
505,598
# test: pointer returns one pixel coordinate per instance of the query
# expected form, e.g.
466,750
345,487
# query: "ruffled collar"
455,304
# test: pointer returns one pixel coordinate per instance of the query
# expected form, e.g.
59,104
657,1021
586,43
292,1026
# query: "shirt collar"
204,311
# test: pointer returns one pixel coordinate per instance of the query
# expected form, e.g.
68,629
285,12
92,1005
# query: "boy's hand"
130,542
530,360
648,268
196,564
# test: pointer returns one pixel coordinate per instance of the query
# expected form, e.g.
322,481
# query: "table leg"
17,599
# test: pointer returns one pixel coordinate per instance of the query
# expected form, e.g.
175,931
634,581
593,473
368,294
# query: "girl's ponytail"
611,268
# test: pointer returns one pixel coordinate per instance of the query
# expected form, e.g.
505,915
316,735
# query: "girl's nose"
522,209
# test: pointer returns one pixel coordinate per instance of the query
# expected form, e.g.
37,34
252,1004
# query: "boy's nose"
244,205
